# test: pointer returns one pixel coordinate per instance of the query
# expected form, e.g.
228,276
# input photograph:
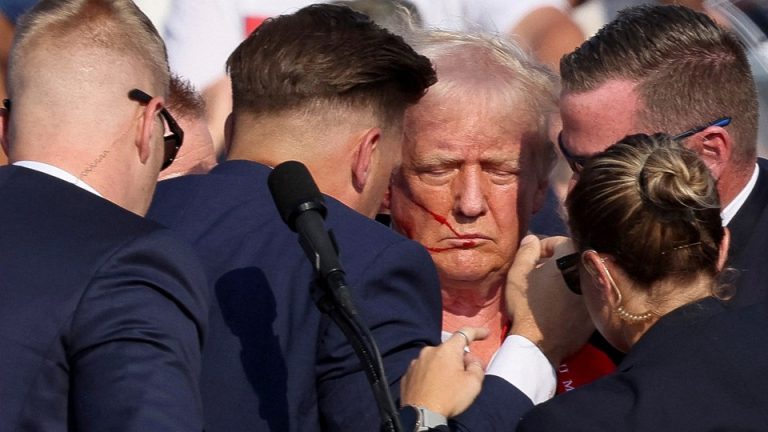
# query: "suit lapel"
743,224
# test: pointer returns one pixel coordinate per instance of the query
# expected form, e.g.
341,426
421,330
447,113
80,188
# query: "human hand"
540,306
445,379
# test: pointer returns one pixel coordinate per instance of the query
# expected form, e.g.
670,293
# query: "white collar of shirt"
733,207
58,173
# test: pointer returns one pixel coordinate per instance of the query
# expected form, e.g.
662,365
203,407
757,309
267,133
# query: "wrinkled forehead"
473,124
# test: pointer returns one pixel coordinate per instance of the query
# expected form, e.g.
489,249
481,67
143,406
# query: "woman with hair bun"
645,220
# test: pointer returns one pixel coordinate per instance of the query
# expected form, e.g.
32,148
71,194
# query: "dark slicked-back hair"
324,57
689,71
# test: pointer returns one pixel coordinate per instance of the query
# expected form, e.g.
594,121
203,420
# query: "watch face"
409,418
429,420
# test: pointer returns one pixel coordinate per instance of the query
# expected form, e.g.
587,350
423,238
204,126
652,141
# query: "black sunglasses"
577,162
569,268
722,122
174,140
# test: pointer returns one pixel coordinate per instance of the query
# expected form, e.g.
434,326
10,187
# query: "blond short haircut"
115,25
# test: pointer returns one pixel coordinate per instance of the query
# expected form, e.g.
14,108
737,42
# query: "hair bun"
674,182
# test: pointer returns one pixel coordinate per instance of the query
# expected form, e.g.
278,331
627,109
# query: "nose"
469,193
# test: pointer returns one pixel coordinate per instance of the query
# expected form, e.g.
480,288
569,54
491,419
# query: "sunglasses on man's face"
173,141
576,162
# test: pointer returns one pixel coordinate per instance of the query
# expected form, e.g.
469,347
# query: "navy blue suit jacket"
749,241
699,368
101,314
272,361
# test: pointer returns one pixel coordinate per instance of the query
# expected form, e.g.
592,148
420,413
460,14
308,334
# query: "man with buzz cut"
103,312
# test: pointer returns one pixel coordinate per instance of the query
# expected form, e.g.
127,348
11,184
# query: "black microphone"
302,208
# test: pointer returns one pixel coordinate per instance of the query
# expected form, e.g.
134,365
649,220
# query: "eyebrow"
435,160
501,161
444,160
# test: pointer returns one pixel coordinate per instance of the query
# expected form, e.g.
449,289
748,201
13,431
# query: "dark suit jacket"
101,314
749,243
701,367
273,362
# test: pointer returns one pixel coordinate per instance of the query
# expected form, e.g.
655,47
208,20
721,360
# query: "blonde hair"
525,87
653,205
115,25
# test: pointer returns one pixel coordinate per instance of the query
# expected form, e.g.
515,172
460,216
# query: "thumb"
473,366
527,255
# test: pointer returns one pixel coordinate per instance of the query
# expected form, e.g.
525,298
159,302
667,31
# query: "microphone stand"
332,298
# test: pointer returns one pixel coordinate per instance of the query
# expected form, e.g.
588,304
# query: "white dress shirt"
521,363
58,173
733,207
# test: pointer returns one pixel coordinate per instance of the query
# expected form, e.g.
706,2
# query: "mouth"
476,237
463,242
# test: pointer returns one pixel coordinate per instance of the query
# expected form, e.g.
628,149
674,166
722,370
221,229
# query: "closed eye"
502,173
436,174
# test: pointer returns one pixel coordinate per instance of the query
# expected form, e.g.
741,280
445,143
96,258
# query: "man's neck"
730,208
729,186
476,308
465,297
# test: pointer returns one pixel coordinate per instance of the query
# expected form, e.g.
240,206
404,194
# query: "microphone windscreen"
294,191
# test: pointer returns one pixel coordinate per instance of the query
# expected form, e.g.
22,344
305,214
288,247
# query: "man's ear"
147,129
363,158
4,120
715,146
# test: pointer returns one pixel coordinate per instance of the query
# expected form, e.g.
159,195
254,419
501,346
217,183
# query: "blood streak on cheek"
443,221
439,219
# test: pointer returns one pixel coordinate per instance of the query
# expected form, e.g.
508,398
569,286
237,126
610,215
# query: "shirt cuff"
521,363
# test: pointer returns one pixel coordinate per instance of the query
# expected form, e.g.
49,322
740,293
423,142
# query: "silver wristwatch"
428,420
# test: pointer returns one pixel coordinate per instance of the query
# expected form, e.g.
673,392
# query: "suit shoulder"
346,220
356,232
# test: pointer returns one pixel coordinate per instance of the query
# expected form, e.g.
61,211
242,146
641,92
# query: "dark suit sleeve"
135,341
398,297
498,407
